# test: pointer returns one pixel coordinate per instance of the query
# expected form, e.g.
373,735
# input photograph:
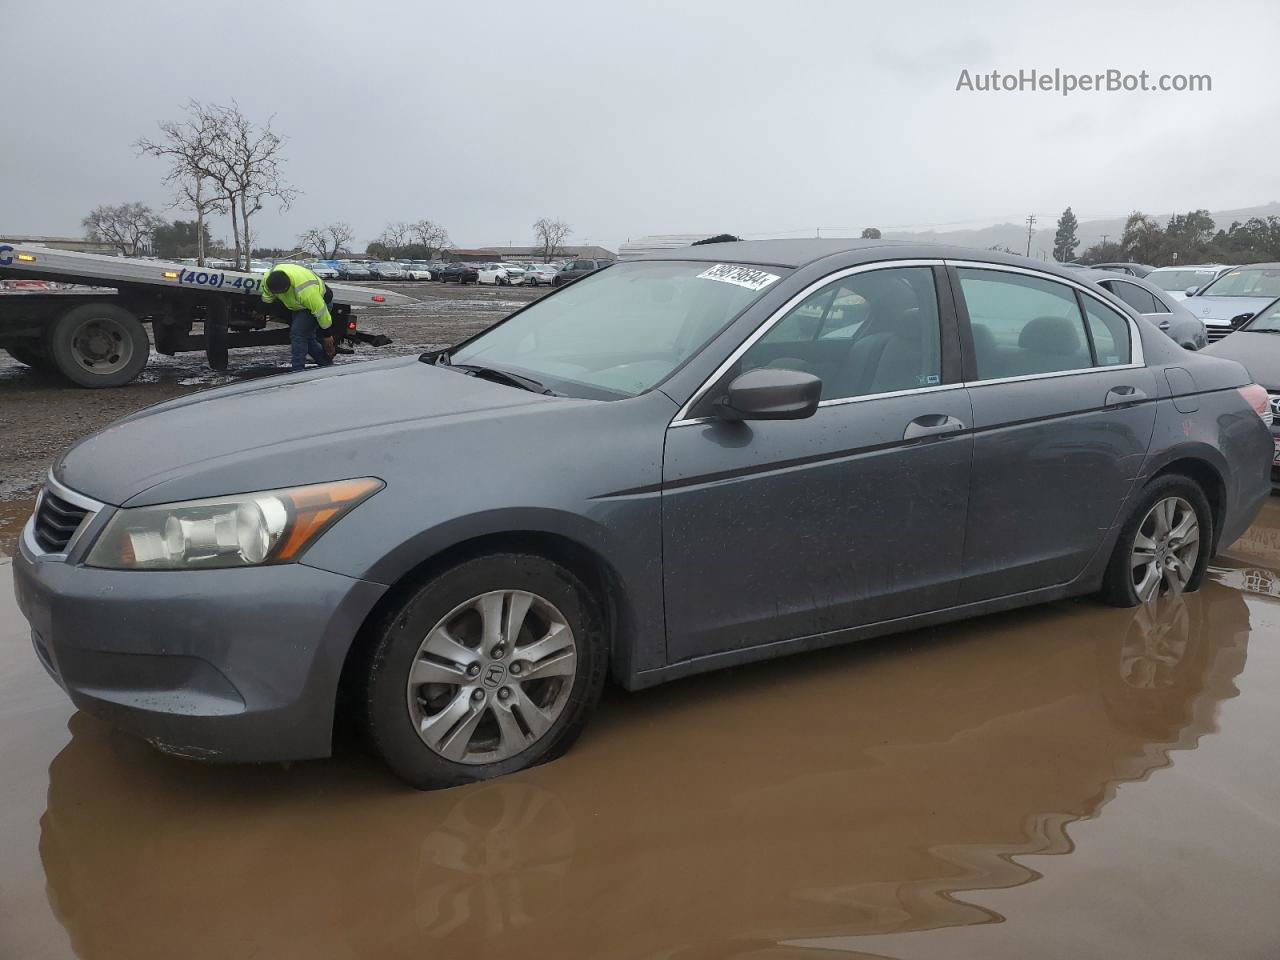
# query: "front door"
774,530
1063,412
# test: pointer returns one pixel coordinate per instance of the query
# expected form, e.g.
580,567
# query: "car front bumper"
236,664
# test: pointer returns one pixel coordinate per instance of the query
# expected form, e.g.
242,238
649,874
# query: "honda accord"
713,456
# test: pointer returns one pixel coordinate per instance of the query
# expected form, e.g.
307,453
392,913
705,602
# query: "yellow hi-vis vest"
306,292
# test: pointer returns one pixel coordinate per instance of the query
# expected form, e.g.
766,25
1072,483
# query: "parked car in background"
493,273
1257,345
1234,297
578,268
1185,281
419,271
458,273
703,479
540,273
1147,300
1132,269
386,270
353,270
515,272
322,270
260,266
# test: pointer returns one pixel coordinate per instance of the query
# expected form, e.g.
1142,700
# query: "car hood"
307,414
1224,308
1259,352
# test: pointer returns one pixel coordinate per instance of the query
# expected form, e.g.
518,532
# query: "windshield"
619,331
1246,282
1176,281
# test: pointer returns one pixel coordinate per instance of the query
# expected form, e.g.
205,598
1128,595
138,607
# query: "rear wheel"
99,345
1164,546
492,667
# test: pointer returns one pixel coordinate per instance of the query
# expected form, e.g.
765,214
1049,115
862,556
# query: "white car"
515,272
494,273
540,273
418,271
1176,281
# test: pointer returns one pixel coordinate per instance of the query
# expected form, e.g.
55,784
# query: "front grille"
1216,333
57,522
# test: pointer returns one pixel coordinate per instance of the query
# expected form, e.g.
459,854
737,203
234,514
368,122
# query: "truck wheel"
491,667
98,345
32,356
215,337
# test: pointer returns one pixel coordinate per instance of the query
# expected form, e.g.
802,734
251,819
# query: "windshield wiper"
503,376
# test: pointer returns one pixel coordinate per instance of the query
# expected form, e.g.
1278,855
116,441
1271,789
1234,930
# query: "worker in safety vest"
306,298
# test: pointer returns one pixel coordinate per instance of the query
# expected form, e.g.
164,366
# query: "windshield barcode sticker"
748,277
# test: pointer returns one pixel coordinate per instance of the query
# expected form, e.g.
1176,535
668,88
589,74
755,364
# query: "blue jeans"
303,341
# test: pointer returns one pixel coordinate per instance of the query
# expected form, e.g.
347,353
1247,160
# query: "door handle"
1123,396
932,425
1163,324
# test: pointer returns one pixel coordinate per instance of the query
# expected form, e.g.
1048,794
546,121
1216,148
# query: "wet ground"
41,415
1066,781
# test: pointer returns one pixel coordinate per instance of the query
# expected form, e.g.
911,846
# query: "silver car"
1156,305
1235,296
1185,281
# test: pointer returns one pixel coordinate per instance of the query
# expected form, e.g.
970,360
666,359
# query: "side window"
583,265
1135,296
1023,325
1110,331
872,332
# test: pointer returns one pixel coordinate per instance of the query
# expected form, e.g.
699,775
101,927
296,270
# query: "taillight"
351,324
378,299
1258,398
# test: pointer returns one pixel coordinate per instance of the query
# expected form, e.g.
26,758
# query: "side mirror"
1191,291
769,393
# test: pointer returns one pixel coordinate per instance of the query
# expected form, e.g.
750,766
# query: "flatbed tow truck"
94,333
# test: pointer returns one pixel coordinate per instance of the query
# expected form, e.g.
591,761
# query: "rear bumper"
238,665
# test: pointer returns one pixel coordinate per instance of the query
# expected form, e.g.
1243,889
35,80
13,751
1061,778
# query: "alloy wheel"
492,677
1165,549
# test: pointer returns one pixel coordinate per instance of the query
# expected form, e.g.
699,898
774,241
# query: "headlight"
242,530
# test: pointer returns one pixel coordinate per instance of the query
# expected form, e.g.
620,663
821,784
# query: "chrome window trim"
682,417
88,504
1137,358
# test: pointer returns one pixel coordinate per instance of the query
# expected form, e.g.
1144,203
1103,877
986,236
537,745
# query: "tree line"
1187,238
222,163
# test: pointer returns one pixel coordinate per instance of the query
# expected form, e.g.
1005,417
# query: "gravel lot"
42,415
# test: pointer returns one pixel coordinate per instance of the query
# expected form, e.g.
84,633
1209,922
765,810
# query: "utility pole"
1105,237
1031,222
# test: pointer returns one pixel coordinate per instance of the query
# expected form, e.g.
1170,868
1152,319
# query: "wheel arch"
598,575
1202,467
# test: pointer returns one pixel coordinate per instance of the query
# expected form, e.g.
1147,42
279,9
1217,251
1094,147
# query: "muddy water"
1069,781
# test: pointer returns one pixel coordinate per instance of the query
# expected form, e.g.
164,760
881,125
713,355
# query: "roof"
799,253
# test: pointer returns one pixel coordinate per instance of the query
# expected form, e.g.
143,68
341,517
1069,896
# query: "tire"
98,345
1181,575
487,723
31,355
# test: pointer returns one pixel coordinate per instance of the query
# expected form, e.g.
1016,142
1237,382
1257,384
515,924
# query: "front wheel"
490,668
98,345
1164,546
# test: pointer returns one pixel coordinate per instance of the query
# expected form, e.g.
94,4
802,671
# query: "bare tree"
431,235
246,165
188,146
550,234
326,242
395,237
126,227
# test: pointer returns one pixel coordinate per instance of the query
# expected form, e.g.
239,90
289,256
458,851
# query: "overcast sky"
635,118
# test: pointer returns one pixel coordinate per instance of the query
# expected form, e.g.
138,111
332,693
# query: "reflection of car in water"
928,776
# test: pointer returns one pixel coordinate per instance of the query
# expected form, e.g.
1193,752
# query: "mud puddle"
1068,781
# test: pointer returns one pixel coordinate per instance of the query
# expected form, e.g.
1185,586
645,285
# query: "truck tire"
31,355
98,345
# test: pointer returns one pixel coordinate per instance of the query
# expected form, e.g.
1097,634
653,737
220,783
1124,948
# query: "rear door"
1063,411
1141,300
774,530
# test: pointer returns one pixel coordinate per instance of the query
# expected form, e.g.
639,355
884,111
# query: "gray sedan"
719,455
1155,305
